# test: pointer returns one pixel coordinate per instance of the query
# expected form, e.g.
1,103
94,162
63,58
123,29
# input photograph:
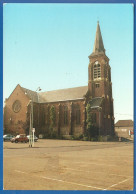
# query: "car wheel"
16,141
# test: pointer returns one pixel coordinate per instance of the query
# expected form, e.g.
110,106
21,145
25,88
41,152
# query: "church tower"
99,83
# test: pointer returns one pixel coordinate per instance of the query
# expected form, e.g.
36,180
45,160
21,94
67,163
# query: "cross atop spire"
98,45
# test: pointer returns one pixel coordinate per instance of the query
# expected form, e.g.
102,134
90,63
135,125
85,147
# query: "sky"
47,46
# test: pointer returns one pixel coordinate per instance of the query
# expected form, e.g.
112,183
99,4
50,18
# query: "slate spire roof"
98,45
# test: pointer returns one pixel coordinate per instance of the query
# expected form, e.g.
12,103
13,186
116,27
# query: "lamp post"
31,123
31,135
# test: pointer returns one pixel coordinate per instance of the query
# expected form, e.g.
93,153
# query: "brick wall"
123,131
14,121
104,90
42,122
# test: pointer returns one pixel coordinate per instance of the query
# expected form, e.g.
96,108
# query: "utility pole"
31,124
31,132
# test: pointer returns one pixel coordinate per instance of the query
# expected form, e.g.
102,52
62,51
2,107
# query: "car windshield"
17,136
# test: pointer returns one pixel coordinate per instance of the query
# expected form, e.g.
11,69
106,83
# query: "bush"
80,137
100,138
112,138
85,138
94,139
54,135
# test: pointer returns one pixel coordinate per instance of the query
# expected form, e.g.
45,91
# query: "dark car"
20,138
7,137
35,138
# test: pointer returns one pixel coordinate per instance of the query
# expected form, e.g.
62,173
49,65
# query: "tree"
52,116
92,130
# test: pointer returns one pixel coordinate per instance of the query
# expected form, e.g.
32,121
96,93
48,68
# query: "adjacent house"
124,128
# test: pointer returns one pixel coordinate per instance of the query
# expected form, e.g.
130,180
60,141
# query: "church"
64,112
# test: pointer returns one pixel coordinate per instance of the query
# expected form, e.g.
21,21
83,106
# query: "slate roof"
96,102
57,95
63,94
124,123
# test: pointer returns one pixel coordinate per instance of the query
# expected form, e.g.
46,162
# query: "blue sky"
48,45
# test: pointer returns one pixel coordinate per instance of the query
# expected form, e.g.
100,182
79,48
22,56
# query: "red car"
20,138
131,132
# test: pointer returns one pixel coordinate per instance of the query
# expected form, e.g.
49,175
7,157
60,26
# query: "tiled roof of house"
96,102
57,95
124,123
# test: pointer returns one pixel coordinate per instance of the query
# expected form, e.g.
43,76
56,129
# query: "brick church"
64,111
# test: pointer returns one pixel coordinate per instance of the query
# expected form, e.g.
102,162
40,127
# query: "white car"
7,137
35,138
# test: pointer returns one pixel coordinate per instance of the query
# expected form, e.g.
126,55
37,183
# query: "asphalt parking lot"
68,165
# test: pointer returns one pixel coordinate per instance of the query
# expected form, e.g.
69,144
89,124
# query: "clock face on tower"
96,62
16,107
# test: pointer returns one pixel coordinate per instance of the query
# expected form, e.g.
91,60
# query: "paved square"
68,165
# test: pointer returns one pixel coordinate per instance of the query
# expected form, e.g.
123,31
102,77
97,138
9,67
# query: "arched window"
65,115
105,72
97,70
53,115
77,114
42,112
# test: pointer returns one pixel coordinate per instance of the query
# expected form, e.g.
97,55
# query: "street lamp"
31,123
31,135
38,89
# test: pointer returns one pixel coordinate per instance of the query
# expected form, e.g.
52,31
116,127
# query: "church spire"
98,45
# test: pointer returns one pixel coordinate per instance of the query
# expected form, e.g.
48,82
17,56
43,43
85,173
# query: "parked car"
35,138
7,137
131,132
20,138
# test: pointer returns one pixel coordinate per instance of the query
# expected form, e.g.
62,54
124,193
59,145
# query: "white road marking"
122,175
96,164
95,172
17,155
73,183
117,184
59,180
21,172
